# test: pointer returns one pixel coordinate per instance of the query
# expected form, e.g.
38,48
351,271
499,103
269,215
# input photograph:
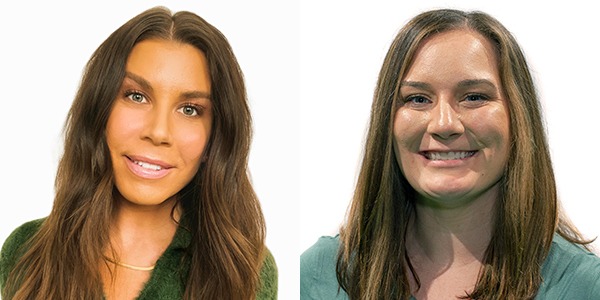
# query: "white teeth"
449,155
148,165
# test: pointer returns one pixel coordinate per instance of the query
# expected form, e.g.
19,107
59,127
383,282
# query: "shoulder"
318,279
570,272
324,248
11,249
268,278
18,237
317,260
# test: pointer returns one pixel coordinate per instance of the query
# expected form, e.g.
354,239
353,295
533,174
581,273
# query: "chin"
444,195
146,198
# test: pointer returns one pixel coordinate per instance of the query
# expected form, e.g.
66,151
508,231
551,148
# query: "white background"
44,47
343,45
310,70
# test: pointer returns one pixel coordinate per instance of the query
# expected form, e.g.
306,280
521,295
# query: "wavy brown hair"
372,260
220,207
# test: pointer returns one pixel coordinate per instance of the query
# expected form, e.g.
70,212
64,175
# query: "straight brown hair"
220,207
372,261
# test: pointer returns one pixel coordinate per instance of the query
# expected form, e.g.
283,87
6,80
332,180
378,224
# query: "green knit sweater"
164,283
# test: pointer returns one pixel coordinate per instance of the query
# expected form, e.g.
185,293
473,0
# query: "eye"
476,97
475,100
416,101
191,110
136,97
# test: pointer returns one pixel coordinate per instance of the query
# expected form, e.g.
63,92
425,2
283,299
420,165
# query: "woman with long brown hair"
456,196
153,199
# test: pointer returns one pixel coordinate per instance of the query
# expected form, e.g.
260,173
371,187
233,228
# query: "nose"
445,122
157,129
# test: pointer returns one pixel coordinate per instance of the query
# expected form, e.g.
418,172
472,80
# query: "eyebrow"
461,84
139,80
145,84
474,82
196,95
416,84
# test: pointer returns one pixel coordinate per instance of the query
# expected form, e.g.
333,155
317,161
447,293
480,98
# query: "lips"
447,155
147,168
148,165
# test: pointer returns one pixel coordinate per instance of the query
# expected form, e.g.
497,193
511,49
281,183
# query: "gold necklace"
131,267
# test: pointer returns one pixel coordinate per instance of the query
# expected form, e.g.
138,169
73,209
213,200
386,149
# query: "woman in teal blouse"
153,199
456,195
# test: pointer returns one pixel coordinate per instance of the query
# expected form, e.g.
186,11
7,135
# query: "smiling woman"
456,197
153,199
444,149
160,122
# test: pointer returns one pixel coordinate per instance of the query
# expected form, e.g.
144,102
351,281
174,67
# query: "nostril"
446,130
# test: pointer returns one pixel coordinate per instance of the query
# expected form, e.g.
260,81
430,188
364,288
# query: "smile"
148,165
451,155
147,168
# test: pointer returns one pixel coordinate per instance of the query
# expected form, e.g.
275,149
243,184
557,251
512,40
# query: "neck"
129,216
451,236
140,234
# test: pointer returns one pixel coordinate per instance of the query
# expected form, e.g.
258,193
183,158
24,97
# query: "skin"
452,100
162,116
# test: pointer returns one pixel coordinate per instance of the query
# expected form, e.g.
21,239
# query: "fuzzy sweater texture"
165,281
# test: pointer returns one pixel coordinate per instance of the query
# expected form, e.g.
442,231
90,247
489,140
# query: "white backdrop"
44,47
310,69
343,45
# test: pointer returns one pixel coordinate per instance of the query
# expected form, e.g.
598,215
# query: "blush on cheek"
120,121
193,146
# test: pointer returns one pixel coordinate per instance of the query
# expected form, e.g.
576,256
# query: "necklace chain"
131,267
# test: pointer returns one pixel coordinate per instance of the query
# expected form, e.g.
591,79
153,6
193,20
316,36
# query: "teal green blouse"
569,272
164,283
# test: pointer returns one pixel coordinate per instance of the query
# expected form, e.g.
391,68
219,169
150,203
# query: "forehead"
169,63
461,52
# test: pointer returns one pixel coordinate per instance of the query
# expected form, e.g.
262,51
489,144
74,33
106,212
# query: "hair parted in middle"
220,208
372,261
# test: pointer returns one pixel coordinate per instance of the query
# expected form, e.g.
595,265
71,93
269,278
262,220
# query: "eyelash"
198,109
481,96
130,93
410,100
425,100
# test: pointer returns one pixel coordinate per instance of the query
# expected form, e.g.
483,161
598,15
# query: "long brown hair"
372,260
220,207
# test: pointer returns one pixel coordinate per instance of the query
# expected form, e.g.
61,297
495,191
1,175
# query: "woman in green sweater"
153,199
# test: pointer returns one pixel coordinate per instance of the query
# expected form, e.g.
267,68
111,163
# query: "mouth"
149,164
448,155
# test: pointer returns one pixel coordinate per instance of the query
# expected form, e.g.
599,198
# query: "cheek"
192,142
408,133
496,130
119,128
408,130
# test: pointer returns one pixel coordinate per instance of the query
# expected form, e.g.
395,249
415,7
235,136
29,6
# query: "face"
160,121
451,129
